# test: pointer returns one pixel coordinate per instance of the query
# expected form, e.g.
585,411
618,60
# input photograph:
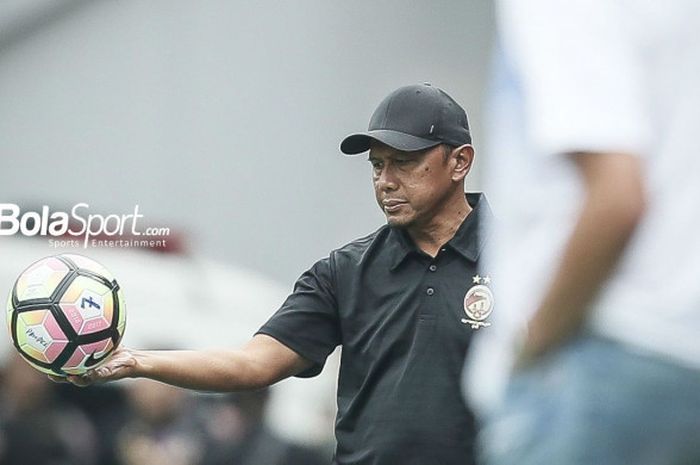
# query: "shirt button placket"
430,291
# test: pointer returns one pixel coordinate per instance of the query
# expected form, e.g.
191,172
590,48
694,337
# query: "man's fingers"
109,372
87,379
80,381
115,369
103,372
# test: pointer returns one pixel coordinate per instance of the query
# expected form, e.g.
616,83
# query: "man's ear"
463,157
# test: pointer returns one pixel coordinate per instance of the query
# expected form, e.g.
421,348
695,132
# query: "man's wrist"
142,365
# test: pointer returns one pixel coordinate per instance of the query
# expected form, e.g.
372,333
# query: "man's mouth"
392,205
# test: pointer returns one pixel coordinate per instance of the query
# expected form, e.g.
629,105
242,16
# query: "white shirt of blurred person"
594,171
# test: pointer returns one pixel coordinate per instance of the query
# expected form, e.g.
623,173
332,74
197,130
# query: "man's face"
410,187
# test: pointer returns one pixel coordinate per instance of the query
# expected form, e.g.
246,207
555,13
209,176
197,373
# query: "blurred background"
221,118
222,121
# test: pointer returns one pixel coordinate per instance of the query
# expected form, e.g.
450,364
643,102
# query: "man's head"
411,188
420,150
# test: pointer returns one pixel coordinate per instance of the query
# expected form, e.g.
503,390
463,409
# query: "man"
596,177
395,301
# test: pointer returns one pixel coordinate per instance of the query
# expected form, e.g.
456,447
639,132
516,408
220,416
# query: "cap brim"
360,142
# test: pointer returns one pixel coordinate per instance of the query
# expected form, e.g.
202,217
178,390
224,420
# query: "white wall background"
221,118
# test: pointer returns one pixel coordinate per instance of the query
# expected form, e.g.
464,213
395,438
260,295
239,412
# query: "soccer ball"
66,314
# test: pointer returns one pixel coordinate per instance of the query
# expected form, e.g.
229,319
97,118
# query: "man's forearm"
261,362
210,370
612,208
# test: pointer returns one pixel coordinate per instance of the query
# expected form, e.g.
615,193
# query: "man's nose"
385,180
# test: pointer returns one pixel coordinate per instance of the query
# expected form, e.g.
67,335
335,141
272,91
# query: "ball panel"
91,288
39,336
73,315
9,310
33,317
42,369
76,363
88,305
33,352
94,325
121,322
108,307
98,348
41,279
54,350
53,328
88,264
28,333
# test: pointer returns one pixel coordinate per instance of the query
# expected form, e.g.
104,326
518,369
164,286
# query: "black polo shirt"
397,312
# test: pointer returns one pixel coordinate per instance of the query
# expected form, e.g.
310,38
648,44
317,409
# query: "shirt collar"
468,241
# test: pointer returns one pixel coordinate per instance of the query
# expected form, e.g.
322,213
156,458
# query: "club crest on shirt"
478,303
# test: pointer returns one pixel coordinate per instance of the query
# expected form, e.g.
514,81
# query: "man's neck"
430,237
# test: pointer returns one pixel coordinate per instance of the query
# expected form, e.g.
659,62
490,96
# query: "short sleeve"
582,78
307,322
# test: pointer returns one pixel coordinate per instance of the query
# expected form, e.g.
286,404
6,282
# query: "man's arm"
261,362
613,205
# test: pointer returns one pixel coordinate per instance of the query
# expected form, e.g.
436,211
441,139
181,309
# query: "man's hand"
121,364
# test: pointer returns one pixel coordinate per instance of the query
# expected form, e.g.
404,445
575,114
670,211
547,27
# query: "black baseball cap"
413,118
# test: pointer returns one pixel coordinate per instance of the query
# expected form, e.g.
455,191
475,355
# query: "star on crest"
481,279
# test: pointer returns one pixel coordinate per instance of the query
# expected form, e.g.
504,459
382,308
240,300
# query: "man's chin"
398,222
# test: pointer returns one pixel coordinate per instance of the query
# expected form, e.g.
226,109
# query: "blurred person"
35,427
106,409
162,427
237,434
302,411
395,301
593,356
